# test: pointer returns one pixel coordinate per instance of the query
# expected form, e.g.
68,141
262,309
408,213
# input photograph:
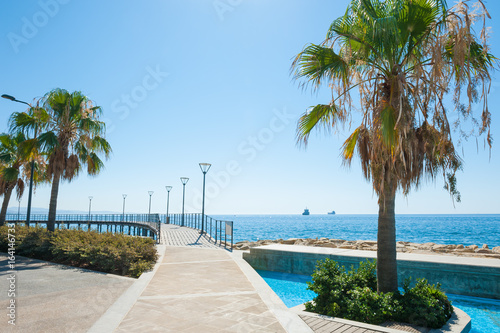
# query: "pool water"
292,289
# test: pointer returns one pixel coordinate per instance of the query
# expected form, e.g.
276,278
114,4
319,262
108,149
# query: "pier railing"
148,221
219,231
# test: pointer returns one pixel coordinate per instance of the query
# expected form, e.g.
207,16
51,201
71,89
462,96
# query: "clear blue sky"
183,82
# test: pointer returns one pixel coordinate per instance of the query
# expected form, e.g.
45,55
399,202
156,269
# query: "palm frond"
316,63
319,116
349,145
94,164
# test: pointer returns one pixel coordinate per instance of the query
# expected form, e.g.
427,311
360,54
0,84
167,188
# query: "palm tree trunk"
387,271
53,202
5,204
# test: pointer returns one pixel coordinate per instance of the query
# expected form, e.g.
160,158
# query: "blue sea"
474,229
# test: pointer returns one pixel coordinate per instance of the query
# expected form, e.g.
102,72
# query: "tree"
71,136
12,160
401,59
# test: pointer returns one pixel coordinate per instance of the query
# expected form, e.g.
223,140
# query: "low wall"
457,275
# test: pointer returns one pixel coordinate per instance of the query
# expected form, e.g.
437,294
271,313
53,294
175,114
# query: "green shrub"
350,295
35,243
425,304
106,252
353,295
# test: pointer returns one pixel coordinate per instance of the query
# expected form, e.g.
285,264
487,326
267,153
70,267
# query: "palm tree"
12,160
71,136
400,59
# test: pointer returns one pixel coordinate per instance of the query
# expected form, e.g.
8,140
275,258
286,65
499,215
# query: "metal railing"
149,221
216,230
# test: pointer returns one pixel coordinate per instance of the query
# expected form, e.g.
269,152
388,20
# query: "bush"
353,295
107,252
425,304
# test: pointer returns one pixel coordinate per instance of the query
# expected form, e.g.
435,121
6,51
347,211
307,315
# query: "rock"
474,247
496,249
243,247
439,248
426,246
289,241
464,250
347,245
327,245
482,250
460,246
492,255
485,246
324,239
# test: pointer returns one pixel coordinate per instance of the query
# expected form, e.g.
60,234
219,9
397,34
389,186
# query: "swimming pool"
292,289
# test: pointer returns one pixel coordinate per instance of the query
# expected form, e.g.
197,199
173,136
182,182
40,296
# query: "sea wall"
458,275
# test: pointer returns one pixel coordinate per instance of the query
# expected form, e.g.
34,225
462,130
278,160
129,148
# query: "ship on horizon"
332,212
306,212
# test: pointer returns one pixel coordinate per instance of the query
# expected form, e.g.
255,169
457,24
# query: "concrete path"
199,290
197,286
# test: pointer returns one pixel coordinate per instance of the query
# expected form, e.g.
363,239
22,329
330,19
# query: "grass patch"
353,295
104,252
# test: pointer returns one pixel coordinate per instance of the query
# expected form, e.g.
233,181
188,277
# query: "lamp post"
184,181
30,194
168,199
204,168
149,214
123,212
90,207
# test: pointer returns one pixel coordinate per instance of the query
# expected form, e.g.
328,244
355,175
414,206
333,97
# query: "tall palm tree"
400,59
71,136
12,160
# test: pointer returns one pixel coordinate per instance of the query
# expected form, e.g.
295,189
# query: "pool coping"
401,256
290,321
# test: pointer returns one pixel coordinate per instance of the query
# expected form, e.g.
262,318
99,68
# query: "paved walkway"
197,286
199,290
174,235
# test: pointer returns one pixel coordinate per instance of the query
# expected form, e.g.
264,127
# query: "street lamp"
204,168
168,199
13,99
184,181
30,194
123,213
149,214
90,207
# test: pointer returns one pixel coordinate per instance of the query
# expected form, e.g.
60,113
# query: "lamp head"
168,188
12,98
184,180
205,167
124,196
151,192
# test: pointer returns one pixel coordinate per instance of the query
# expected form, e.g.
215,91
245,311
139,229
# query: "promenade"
195,286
